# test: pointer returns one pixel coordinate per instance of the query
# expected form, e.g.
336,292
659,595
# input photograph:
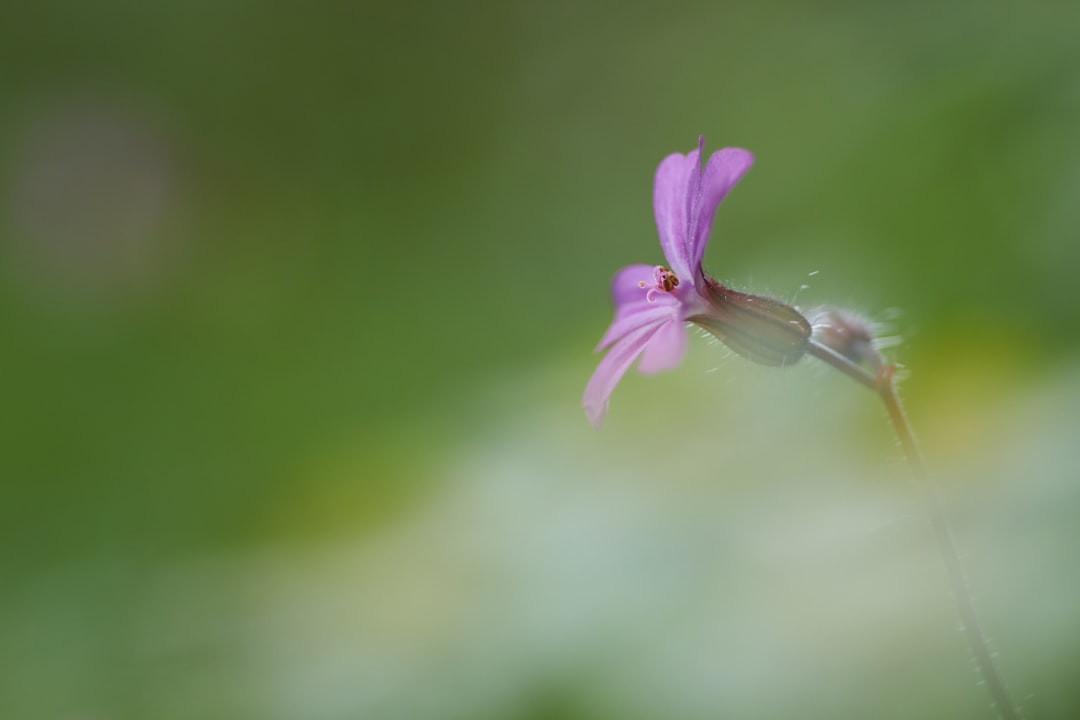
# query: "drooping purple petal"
666,349
671,210
723,170
612,368
632,308
622,326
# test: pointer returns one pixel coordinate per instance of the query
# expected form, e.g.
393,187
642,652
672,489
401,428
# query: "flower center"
663,281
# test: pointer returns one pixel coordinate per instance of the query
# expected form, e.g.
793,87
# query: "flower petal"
623,326
666,349
624,286
632,308
723,170
612,368
671,208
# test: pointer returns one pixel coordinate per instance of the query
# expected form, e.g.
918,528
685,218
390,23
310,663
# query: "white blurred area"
740,543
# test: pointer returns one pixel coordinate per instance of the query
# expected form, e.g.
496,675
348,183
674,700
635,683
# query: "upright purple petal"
693,196
612,368
670,206
723,170
666,349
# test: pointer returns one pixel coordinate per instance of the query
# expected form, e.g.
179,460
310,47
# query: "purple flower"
653,304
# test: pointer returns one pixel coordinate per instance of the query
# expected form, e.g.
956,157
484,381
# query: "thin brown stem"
884,384
854,371
965,606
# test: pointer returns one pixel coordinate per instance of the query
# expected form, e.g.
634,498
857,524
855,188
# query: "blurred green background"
297,302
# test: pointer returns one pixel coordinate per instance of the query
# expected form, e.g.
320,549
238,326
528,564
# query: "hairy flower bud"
759,328
848,334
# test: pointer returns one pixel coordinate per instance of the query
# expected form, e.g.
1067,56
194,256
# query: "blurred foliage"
280,283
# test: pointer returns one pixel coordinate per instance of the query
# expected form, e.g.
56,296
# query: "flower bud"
848,334
757,327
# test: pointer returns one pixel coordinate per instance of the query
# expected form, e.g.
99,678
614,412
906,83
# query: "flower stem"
843,364
884,384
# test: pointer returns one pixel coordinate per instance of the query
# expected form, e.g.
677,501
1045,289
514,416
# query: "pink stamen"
664,281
